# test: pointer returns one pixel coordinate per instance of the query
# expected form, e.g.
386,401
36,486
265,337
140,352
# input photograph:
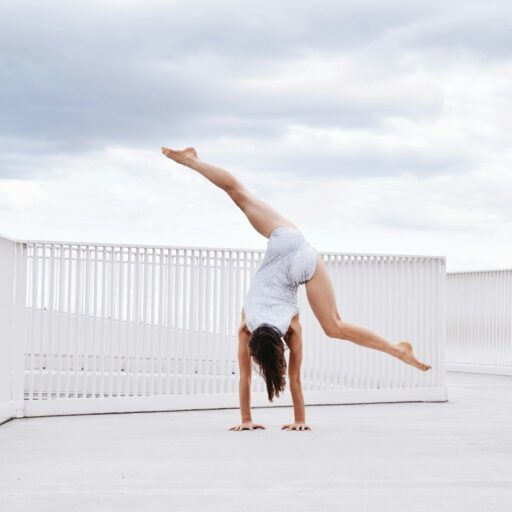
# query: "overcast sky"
376,126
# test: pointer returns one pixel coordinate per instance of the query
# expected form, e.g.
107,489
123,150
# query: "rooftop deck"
405,456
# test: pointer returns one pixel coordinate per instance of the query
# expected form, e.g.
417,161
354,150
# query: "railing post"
18,328
6,286
11,347
443,300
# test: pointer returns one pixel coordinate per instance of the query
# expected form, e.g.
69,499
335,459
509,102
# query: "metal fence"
479,321
111,328
11,374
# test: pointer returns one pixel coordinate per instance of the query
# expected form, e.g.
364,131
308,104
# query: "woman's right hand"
247,425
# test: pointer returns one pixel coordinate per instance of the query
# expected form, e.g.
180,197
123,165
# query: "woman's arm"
244,385
294,341
244,362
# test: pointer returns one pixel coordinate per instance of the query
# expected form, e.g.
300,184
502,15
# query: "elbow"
245,379
294,380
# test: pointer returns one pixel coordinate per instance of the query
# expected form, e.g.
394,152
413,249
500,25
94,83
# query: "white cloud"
135,196
377,127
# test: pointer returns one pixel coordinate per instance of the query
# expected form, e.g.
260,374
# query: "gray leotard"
289,261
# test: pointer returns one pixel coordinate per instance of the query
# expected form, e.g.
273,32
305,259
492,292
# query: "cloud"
137,196
135,73
394,116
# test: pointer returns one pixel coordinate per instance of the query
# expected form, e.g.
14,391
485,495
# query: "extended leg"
261,215
320,293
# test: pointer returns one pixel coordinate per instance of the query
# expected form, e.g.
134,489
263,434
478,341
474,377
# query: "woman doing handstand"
270,313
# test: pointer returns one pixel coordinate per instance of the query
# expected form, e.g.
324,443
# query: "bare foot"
182,156
407,356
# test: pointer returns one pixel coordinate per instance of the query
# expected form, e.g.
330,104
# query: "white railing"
479,321
6,310
132,328
11,375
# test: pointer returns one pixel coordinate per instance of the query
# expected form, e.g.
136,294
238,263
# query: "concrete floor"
415,457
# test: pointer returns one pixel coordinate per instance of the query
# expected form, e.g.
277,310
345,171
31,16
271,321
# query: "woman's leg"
320,293
260,214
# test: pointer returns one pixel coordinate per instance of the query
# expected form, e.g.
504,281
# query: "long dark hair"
267,348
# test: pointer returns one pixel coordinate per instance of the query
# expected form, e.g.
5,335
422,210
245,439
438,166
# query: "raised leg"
261,215
322,300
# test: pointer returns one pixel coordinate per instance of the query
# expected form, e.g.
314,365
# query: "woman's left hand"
296,425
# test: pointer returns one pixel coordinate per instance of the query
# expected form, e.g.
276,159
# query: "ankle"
398,351
189,161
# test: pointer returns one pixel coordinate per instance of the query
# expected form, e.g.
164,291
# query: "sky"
378,127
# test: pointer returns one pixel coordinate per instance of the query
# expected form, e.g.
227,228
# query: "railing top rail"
487,271
234,249
11,239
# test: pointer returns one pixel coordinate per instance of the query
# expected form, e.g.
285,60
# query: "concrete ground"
415,456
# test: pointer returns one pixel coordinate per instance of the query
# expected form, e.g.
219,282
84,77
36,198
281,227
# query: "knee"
334,328
237,194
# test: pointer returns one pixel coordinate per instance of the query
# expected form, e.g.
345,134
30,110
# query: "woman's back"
289,261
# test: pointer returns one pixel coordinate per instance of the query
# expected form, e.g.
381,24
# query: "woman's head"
267,349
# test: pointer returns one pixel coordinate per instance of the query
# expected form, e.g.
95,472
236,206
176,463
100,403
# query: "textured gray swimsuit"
289,261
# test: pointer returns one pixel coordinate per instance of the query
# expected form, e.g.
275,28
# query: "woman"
270,313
